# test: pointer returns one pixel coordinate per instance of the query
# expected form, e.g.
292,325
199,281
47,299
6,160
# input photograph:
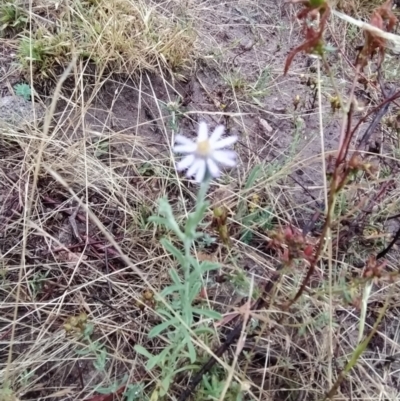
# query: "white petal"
217,134
203,132
186,162
226,154
224,157
182,140
194,168
190,148
223,143
201,172
213,168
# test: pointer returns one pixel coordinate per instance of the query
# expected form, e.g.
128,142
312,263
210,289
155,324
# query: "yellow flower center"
203,148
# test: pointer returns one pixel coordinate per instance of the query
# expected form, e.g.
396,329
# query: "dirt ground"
127,128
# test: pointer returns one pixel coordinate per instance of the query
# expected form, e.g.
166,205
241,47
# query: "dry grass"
359,8
119,36
88,178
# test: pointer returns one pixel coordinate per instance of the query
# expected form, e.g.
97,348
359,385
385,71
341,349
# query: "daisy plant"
182,318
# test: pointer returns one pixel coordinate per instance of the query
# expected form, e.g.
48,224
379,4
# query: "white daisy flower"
206,153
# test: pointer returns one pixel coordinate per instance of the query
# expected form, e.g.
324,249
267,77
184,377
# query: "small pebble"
246,44
17,111
59,216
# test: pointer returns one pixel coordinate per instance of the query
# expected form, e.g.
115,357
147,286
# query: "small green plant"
257,219
146,169
6,392
12,17
95,348
206,241
31,50
299,127
36,284
23,90
176,111
241,283
236,81
213,387
261,88
102,148
317,323
134,392
180,313
43,51
25,377
83,330
250,213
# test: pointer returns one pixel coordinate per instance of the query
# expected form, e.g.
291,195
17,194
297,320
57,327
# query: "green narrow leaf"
169,219
158,359
155,331
166,211
165,207
166,313
207,266
170,290
101,359
253,176
187,367
173,250
165,383
83,352
194,290
88,330
192,261
143,351
246,236
364,308
175,276
203,330
191,349
161,221
207,313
